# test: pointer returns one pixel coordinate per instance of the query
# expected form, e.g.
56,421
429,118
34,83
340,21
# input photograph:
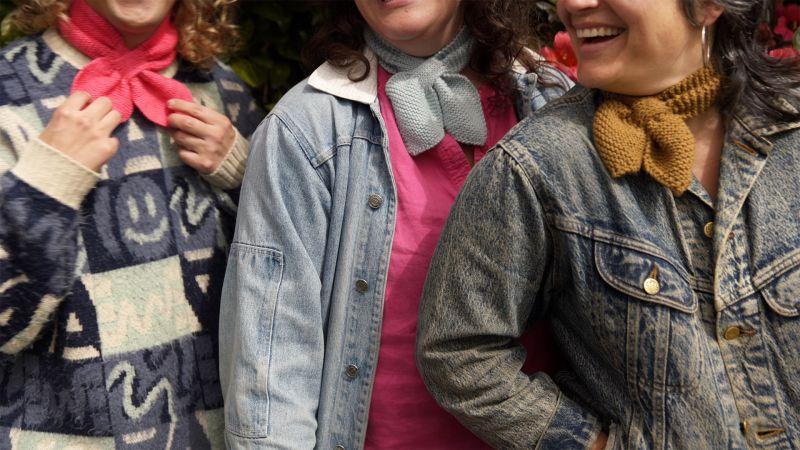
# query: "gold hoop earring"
705,41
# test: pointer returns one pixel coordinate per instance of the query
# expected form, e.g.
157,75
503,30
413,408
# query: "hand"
81,129
600,443
204,136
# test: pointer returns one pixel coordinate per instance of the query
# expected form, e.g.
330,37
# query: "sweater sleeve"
245,114
41,190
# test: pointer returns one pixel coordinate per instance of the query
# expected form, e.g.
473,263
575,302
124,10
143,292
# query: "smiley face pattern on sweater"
108,315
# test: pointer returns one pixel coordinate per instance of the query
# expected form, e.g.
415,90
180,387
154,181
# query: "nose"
567,8
574,6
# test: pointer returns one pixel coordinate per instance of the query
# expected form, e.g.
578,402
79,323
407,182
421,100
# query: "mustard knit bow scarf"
650,133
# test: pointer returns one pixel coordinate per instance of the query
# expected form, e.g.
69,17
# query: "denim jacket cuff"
571,427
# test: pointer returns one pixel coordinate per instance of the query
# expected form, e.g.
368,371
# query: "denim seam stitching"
288,124
276,254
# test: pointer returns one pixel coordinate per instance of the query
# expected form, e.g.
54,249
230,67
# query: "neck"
431,42
708,127
709,132
133,40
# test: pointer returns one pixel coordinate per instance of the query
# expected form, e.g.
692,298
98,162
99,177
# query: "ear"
709,13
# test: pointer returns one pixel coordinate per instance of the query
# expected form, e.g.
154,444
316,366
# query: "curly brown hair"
207,28
502,29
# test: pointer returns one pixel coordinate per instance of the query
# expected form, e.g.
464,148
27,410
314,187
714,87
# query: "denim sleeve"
271,325
485,279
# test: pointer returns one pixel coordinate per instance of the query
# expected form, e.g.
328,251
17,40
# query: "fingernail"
170,103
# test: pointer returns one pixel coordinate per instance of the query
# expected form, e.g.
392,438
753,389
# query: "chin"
402,29
592,80
401,35
601,75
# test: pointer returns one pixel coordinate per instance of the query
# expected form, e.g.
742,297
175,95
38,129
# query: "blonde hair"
207,28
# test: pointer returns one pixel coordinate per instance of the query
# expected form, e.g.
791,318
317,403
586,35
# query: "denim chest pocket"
782,293
662,334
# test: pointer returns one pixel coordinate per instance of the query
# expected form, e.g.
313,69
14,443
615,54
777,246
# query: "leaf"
248,72
796,39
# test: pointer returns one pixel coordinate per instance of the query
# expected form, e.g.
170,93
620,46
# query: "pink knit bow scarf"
127,77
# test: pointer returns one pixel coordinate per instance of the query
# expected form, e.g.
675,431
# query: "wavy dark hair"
502,29
768,86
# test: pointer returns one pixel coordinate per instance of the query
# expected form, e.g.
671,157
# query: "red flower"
792,13
788,21
562,55
785,52
782,29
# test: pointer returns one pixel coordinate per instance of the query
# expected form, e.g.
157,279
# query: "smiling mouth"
598,34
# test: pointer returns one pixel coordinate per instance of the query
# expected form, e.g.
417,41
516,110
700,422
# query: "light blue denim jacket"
663,351
302,302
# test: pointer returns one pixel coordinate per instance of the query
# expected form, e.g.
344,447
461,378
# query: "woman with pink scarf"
121,151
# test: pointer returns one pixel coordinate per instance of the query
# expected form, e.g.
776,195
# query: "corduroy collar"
335,81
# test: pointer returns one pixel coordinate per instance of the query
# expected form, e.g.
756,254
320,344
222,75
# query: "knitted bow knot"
650,133
127,77
429,95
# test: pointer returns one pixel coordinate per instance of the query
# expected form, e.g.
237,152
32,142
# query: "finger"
189,125
196,161
98,108
110,121
195,110
188,141
77,100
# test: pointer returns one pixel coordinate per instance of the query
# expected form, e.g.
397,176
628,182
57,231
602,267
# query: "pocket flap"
626,269
782,293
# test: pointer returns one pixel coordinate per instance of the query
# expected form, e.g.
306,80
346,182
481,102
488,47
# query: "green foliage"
7,33
274,33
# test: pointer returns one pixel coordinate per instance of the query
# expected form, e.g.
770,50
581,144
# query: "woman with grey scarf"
349,183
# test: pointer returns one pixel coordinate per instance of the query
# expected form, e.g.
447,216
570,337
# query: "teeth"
598,32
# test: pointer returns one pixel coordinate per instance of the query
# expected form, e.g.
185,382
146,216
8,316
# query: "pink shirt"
403,415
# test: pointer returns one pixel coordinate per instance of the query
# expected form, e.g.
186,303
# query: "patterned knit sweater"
110,282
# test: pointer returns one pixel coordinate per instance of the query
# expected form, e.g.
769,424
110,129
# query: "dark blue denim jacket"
541,230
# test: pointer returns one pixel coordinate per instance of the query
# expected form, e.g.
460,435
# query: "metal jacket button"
652,286
362,286
745,426
351,371
732,333
735,332
375,201
708,230
339,447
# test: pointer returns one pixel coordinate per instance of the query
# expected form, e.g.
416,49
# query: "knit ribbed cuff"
55,174
230,172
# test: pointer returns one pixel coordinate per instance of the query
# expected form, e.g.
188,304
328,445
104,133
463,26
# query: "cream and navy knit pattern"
650,133
109,282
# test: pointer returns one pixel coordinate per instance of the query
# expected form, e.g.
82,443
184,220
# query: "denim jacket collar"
756,129
336,81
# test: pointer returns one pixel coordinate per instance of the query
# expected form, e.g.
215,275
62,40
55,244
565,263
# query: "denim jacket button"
362,286
732,333
652,286
708,230
351,371
745,427
375,201
339,447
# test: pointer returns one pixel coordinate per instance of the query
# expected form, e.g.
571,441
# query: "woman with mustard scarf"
651,218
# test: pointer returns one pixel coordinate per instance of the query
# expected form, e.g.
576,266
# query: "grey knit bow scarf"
429,95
